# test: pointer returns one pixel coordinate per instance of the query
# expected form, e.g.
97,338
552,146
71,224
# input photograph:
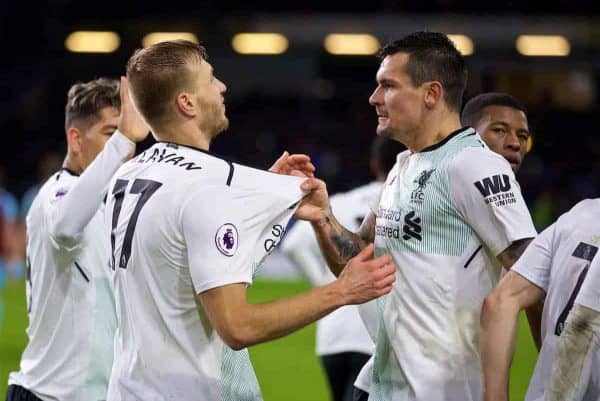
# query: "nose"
511,141
375,98
223,86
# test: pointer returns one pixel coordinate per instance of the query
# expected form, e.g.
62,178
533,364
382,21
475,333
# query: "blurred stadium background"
303,88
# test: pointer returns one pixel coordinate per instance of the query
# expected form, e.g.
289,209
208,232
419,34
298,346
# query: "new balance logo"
493,185
412,227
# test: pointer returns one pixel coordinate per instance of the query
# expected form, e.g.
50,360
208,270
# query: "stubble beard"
217,121
386,132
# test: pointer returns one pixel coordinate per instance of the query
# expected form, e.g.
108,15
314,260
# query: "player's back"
573,241
162,208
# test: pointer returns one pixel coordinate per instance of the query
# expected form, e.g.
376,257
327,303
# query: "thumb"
283,156
366,254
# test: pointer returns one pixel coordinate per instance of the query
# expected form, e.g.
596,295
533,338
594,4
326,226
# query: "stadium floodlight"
351,44
156,37
259,43
543,45
463,43
92,42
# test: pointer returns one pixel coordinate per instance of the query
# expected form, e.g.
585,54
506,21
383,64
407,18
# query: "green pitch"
287,369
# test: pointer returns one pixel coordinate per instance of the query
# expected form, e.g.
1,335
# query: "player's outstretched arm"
498,331
571,370
534,313
241,324
69,215
337,244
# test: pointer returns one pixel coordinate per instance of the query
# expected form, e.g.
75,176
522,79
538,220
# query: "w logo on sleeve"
493,185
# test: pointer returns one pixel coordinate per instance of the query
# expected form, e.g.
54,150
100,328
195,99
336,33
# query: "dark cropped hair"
473,110
86,99
432,57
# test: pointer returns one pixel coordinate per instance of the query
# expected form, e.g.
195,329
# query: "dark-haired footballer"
452,215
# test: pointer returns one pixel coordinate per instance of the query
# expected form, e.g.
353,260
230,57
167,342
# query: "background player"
188,229
69,296
342,342
553,269
448,202
501,121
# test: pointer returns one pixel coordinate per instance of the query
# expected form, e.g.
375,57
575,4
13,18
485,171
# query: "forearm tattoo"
346,244
367,228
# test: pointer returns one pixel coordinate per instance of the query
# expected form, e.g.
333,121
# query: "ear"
434,94
74,137
186,104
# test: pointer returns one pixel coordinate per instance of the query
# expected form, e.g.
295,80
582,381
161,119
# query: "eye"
499,130
523,136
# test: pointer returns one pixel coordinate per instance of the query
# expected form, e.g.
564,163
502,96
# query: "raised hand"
286,164
131,124
365,278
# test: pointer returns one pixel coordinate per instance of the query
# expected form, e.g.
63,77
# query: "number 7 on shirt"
146,188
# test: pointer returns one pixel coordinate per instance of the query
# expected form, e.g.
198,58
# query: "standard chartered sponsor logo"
389,214
384,216
389,232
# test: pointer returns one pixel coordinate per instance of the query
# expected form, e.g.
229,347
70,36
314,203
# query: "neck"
184,134
72,163
434,129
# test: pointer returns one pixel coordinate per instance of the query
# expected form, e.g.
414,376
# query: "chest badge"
418,194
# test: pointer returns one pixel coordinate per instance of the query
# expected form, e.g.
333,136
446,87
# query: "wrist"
325,219
338,294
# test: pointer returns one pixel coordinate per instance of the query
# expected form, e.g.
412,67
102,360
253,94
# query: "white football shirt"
445,214
72,318
183,222
559,261
342,330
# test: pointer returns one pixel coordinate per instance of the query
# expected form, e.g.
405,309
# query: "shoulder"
586,206
479,163
476,155
261,181
585,210
58,185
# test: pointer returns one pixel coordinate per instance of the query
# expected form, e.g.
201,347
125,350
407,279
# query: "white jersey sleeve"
485,192
73,206
234,229
536,262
